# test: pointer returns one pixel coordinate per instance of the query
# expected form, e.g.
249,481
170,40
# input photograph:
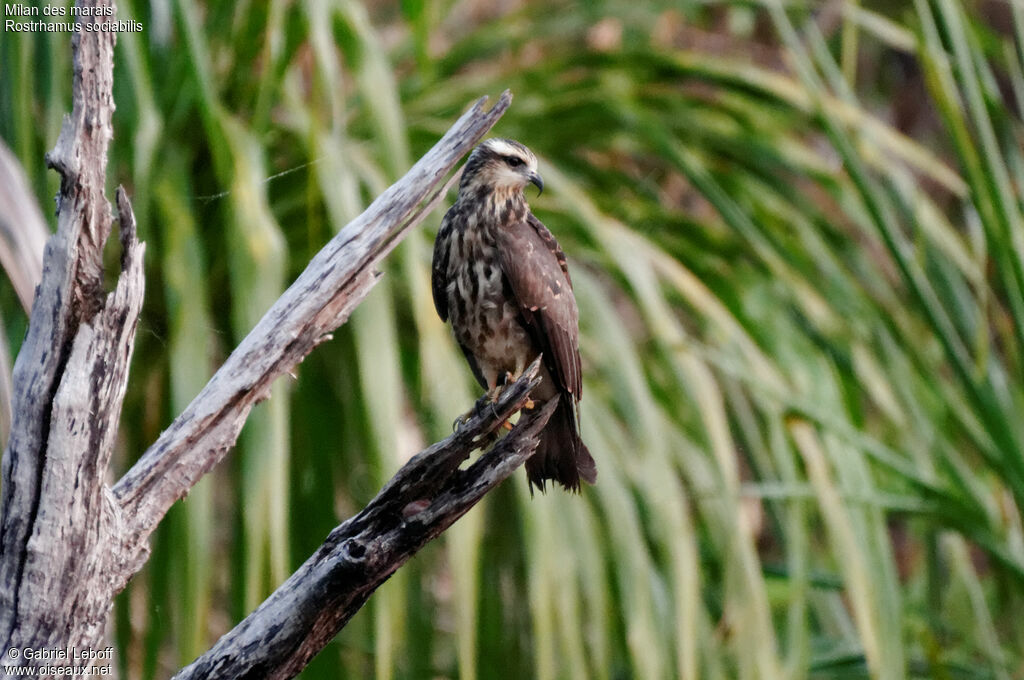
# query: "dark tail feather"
561,455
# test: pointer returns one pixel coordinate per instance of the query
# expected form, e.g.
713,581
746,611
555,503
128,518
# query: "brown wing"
537,273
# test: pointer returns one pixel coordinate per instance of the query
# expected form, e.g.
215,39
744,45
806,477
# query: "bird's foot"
494,412
487,401
461,420
494,393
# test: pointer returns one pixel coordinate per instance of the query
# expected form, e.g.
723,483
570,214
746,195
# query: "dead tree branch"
321,299
23,231
57,517
69,543
423,499
23,234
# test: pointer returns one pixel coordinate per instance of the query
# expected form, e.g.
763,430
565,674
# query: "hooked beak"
536,181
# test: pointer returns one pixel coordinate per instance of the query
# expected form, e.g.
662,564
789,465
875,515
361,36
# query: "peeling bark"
68,382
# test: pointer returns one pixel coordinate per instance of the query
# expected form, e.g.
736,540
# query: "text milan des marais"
20,10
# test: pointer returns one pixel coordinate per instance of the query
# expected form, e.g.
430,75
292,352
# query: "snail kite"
501,278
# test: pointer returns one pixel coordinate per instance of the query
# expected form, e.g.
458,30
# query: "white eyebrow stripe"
503,148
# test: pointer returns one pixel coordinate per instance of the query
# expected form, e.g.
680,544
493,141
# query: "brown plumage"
501,278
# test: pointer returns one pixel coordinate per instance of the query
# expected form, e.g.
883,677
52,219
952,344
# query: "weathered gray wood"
23,231
423,499
23,234
64,397
77,524
68,543
320,300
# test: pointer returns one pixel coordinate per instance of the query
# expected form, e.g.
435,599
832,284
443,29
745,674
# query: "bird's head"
503,166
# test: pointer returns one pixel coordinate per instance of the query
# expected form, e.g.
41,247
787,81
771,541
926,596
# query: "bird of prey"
500,277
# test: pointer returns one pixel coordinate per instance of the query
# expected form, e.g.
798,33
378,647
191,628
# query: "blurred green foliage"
797,242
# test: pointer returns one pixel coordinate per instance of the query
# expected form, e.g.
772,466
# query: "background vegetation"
797,240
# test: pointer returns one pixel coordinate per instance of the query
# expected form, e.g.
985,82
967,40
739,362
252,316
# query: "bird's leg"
499,386
490,398
495,392
510,378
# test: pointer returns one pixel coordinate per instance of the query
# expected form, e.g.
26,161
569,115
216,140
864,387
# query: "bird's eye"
514,161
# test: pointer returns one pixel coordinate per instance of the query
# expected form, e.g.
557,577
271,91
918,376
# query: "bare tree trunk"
68,542
69,379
